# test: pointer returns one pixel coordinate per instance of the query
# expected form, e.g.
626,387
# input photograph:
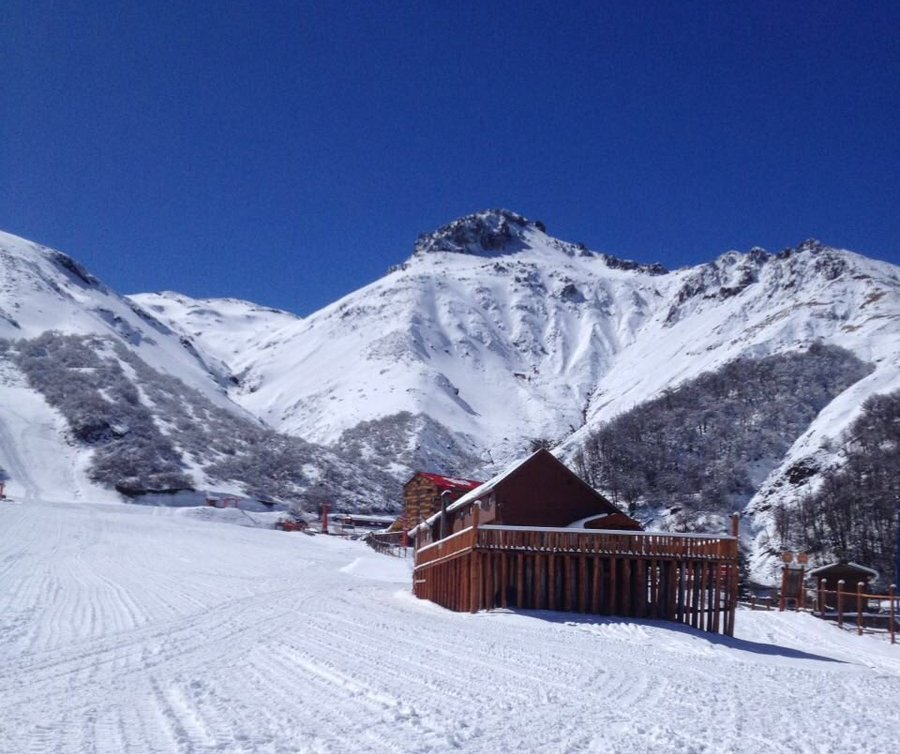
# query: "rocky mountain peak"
488,232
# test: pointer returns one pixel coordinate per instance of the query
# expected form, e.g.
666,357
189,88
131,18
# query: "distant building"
424,493
843,570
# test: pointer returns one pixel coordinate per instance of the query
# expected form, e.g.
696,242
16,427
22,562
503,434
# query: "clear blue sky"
288,153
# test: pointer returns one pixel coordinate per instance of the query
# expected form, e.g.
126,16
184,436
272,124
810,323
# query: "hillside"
494,336
98,397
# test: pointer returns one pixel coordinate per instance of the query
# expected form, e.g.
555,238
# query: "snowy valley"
683,395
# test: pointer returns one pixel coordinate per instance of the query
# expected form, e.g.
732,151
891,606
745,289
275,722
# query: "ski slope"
135,629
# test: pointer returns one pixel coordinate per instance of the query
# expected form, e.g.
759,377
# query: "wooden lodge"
537,537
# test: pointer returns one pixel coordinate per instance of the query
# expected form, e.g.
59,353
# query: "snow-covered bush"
853,512
145,426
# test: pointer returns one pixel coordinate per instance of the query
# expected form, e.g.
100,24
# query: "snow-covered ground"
137,629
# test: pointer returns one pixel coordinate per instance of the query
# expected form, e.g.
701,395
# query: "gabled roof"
483,489
844,564
447,482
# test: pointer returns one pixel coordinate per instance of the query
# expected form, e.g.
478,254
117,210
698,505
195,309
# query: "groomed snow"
135,629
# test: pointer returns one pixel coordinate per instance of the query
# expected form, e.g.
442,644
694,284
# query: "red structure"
424,494
538,537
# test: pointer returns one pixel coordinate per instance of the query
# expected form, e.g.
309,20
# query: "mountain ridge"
493,335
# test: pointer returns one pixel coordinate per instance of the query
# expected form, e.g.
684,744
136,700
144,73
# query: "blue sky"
289,152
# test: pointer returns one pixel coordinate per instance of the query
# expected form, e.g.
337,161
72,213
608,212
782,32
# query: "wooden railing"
606,542
461,541
688,578
855,605
389,543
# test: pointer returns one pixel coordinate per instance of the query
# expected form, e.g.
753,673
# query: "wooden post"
551,582
640,580
596,584
673,586
695,594
704,612
487,580
504,578
611,600
520,580
626,587
716,596
840,603
892,593
680,602
859,607
475,582
821,597
584,605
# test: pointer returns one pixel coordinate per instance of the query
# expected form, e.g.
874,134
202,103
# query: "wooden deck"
691,579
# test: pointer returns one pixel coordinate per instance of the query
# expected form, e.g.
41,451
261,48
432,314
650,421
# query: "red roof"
451,483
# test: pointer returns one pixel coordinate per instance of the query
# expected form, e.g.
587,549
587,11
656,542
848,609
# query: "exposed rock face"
489,232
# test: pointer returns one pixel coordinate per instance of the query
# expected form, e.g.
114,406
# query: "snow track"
127,629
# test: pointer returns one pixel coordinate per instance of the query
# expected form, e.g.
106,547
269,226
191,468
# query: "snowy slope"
494,334
132,630
502,334
94,388
222,327
500,342
42,289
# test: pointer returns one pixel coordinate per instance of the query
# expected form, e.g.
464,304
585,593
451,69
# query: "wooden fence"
840,604
388,543
691,579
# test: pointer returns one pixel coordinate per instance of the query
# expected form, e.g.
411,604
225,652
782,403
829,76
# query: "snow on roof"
581,523
846,564
364,517
449,482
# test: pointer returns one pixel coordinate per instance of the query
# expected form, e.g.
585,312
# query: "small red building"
424,493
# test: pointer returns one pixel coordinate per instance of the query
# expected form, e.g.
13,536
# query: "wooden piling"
892,593
840,603
859,607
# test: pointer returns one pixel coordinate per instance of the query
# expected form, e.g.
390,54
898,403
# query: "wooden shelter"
529,538
843,570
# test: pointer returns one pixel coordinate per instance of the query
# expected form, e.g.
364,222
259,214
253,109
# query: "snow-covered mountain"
493,336
503,334
492,328
96,394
